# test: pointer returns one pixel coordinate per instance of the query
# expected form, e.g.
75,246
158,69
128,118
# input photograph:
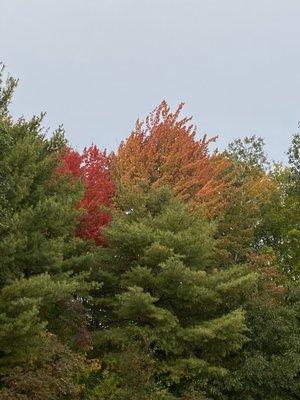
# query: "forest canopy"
161,271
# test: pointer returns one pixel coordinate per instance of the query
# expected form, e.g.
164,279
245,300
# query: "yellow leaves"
94,365
260,188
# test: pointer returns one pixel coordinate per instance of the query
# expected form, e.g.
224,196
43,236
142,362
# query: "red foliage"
92,166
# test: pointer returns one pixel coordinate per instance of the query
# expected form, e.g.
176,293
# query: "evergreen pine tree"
161,292
41,313
36,203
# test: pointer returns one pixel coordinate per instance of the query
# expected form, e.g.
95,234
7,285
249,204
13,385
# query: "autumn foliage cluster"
92,169
164,151
164,270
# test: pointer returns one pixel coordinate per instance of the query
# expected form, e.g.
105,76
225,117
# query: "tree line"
161,271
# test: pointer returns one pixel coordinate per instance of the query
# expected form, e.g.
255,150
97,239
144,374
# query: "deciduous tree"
163,150
92,168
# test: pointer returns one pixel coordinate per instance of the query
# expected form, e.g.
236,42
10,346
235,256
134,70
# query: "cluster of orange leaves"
163,150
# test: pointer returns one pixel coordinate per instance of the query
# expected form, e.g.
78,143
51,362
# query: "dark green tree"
42,263
270,364
162,292
279,227
37,205
252,186
6,91
39,339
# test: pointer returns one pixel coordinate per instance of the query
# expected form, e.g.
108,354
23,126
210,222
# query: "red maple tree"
92,167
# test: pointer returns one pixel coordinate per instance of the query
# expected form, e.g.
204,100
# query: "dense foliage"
160,272
163,150
92,168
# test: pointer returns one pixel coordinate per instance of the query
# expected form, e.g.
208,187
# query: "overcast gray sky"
98,65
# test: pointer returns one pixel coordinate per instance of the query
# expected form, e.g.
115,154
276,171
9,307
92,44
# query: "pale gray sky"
98,65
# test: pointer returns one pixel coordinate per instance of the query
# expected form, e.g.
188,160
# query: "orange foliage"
163,150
